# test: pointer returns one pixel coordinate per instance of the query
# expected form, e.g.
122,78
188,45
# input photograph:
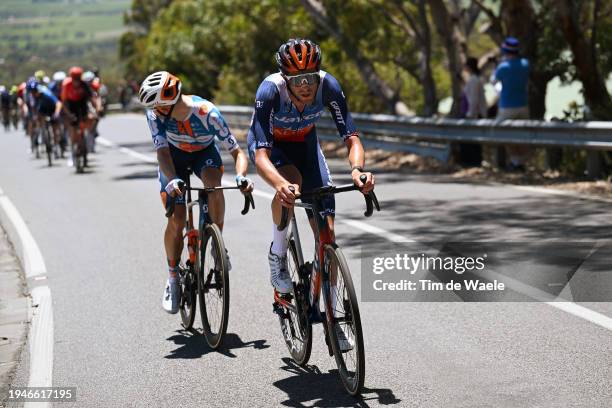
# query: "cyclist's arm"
166,165
160,141
241,161
58,108
334,99
267,100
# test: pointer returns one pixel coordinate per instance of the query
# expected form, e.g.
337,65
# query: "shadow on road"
193,345
310,387
138,175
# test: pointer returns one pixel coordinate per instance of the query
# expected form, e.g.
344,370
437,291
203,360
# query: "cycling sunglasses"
303,79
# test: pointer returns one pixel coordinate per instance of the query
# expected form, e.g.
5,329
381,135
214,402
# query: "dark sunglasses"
303,79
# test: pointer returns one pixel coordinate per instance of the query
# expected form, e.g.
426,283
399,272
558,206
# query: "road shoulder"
13,314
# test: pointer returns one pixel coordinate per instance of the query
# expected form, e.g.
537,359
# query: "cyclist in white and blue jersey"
183,128
284,146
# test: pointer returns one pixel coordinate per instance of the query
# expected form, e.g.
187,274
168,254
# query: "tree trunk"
595,93
537,93
375,83
448,31
428,83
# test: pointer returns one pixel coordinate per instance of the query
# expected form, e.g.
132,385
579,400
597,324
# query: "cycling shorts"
183,161
79,109
308,158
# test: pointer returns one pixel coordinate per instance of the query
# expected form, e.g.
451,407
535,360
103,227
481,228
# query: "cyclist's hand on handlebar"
246,184
286,196
369,183
173,187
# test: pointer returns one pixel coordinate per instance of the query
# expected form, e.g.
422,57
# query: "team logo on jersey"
337,112
219,125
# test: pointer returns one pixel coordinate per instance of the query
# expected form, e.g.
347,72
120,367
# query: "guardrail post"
594,164
554,157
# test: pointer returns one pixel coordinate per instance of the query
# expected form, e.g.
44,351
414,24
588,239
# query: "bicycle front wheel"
294,322
213,286
343,320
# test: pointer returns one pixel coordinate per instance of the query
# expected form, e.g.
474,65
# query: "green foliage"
53,35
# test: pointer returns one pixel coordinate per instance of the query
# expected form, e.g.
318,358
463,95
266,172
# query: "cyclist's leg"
173,234
277,257
207,164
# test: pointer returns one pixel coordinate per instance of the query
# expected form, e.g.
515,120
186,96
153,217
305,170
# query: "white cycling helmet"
159,89
59,76
88,76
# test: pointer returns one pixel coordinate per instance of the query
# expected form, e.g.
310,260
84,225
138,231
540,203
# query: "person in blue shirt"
513,74
283,143
184,128
46,105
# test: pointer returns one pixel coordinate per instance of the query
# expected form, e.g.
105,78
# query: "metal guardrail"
432,137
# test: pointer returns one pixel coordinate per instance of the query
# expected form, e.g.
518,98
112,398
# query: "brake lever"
248,202
370,199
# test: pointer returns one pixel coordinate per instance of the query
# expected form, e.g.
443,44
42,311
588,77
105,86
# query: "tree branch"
496,31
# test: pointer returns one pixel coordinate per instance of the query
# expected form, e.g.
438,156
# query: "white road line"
40,337
26,247
390,236
568,307
132,153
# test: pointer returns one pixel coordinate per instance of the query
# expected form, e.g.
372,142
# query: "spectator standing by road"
474,91
473,106
513,73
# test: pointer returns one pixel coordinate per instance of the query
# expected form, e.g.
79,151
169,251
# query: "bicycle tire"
352,379
76,158
290,320
213,281
189,295
48,146
34,143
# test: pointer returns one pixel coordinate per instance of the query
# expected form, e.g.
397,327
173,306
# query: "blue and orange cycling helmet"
298,56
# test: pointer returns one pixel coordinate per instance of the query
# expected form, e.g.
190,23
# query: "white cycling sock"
279,241
172,273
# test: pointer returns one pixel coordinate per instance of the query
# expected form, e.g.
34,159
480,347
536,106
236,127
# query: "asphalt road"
101,236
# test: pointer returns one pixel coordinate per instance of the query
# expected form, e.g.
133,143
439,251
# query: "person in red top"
75,97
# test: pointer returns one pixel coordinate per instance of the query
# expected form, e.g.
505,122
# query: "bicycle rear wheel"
47,135
213,286
34,143
343,319
294,322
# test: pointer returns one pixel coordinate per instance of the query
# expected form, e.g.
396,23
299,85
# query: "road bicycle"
205,273
328,274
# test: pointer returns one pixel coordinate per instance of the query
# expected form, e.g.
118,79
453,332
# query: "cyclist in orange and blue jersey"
283,142
184,128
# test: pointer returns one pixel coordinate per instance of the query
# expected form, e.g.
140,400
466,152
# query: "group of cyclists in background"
58,113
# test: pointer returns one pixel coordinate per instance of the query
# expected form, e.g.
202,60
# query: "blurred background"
391,56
